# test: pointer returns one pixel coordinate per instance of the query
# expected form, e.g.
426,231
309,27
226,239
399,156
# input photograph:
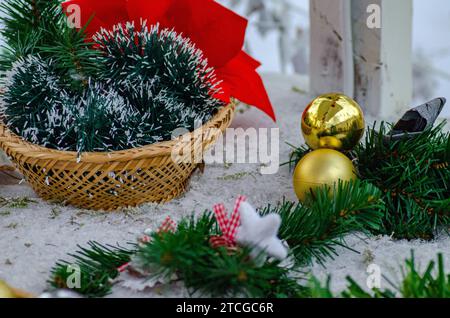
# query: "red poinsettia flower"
217,31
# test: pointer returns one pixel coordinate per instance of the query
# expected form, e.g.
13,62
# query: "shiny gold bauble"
6,291
333,121
321,167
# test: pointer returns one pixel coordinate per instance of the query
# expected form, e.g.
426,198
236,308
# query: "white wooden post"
381,67
383,56
331,62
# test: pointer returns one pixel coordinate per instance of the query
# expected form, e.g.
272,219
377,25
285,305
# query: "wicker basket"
113,180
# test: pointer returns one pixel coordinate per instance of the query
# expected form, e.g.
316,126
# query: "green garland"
157,70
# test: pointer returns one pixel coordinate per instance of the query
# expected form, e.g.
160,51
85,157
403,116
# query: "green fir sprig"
33,27
314,230
213,272
433,282
414,175
26,25
93,268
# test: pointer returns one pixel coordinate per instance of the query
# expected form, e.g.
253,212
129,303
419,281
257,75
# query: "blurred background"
279,37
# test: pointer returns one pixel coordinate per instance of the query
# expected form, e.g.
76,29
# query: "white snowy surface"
34,238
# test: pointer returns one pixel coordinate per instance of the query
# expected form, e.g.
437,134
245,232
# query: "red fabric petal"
244,83
152,11
216,30
250,60
105,13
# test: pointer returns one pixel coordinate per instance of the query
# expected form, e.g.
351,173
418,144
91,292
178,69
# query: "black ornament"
417,120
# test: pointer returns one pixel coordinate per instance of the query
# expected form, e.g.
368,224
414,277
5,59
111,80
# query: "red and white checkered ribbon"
228,226
168,225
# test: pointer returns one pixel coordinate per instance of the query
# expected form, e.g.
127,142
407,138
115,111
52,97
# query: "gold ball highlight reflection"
6,291
333,121
321,167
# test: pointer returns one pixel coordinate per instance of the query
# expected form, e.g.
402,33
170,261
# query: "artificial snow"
32,239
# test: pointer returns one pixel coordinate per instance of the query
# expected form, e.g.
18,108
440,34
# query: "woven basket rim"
14,142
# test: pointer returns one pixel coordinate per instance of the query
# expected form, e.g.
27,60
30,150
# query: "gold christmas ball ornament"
321,167
7,291
333,121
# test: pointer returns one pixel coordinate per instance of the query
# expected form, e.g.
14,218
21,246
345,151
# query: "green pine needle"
40,27
314,231
414,176
213,272
431,283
